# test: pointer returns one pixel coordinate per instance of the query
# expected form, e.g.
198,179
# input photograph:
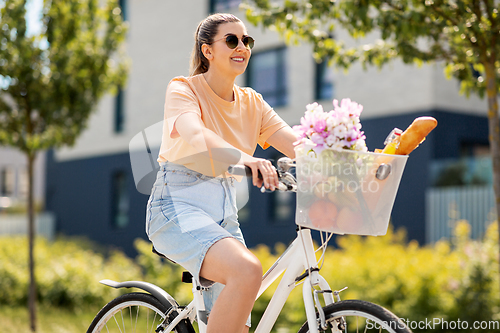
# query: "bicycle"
157,310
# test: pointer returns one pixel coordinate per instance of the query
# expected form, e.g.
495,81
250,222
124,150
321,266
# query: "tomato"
323,214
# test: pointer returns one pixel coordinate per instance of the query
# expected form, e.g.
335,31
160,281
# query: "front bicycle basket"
347,192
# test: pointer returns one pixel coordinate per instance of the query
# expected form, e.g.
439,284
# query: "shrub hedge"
450,280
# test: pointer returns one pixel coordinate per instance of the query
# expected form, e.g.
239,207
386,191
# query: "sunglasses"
232,41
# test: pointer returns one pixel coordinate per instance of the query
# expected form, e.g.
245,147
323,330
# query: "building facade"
91,187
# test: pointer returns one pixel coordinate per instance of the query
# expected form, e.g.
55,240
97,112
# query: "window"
281,206
217,6
7,181
119,113
120,200
324,81
23,183
123,6
266,73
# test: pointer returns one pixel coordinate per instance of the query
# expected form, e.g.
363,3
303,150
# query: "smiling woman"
192,213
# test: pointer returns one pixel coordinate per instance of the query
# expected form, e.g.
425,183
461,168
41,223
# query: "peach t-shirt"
243,123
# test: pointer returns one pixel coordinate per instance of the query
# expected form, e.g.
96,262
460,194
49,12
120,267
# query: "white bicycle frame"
297,258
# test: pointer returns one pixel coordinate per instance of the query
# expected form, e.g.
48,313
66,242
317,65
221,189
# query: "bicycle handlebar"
287,181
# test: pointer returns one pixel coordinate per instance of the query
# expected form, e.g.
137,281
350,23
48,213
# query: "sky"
33,16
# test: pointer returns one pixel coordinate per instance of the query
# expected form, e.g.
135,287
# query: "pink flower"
317,139
320,125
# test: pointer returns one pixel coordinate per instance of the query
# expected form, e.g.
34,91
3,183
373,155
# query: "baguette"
415,134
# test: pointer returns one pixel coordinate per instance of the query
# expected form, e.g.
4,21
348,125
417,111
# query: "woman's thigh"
229,258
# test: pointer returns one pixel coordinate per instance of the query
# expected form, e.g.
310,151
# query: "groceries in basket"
342,187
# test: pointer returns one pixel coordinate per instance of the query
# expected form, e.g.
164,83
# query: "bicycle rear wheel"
134,312
359,316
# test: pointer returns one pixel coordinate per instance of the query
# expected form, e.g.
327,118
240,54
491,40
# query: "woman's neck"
221,85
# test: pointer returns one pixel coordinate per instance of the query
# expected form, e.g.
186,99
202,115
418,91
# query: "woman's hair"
205,33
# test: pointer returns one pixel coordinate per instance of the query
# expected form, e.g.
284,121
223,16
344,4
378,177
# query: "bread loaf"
415,134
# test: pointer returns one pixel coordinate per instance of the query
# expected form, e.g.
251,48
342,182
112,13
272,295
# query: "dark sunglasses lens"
248,42
232,41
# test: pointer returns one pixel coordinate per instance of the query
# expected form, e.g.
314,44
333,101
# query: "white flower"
360,145
338,146
314,108
339,131
330,140
311,155
331,121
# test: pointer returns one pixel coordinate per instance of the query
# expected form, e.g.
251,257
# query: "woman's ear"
207,51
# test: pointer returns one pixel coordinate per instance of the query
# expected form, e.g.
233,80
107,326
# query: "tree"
462,34
51,81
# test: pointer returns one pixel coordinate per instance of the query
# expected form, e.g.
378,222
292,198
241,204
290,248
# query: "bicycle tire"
374,317
126,309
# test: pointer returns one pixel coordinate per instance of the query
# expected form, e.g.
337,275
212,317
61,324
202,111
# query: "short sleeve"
179,99
271,123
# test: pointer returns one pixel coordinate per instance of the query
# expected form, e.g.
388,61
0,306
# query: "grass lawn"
53,320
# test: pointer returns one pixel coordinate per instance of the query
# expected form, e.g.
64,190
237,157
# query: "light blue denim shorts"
187,213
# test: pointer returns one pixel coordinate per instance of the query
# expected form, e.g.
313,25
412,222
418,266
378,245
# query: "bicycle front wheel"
359,316
134,312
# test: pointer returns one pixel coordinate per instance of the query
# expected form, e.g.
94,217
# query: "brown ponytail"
205,33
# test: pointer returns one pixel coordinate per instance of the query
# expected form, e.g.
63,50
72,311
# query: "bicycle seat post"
201,312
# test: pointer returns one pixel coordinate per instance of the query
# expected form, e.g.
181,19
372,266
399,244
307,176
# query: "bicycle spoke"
117,325
153,323
137,316
130,313
131,326
123,322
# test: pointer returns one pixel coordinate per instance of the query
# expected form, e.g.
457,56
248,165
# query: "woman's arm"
283,140
191,129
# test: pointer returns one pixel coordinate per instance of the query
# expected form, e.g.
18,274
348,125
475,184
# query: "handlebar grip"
242,170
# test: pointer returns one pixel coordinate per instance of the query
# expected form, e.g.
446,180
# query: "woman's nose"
241,46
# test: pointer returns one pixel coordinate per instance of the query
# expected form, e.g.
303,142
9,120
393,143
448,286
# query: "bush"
68,272
449,280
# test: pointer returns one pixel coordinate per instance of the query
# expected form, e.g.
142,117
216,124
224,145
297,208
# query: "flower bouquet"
338,129
338,190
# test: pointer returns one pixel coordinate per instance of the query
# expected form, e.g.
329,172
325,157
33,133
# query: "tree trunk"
494,134
31,237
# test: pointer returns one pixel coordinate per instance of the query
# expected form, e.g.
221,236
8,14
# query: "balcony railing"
446,206
17,224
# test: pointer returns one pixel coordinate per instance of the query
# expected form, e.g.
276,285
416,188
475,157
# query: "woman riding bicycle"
191,213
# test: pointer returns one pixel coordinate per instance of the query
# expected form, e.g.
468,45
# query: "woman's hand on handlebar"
268,171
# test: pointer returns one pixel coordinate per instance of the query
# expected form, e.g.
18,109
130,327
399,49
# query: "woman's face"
229,61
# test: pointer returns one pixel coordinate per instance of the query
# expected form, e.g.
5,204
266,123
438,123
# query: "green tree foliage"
463,34
51,81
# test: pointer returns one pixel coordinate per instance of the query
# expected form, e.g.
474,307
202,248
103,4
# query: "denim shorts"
187,213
